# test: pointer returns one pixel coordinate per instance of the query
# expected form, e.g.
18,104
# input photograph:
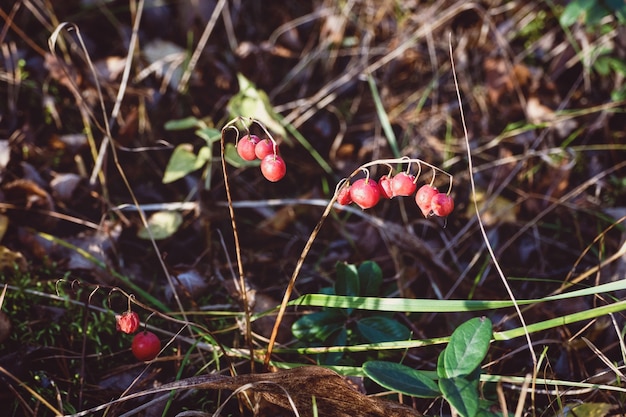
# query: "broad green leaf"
467,347
163,224
182,124
347,279
570,14
370,277
318,326
401,378
340,339
209,134
182,162
382,329
461,394
252,102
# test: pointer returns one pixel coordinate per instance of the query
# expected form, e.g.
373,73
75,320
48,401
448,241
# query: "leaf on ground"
334,396
182,162
379,329
318,326
401,378
162,224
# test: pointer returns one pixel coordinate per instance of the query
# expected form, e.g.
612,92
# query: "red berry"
403,184
273,167
246,147
146,346
127,322
423,198
264,148
442,204
384,183
343,197
365,193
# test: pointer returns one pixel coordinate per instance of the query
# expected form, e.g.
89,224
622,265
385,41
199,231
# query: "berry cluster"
366,193
251,147
146,345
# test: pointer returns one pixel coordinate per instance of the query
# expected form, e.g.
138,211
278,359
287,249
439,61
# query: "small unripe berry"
273,167
365,193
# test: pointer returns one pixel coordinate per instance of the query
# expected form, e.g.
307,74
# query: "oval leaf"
163,224
467,347
371,277
401,378
461,394
347,281
182,162
318,326
379,329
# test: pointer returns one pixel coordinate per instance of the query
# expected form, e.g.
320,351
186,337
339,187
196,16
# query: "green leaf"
570,14
370,277
461,394
318,326
347,280
340,339
467,347
401,378
379,329
182,162
182,124
251,102
163,224
209,134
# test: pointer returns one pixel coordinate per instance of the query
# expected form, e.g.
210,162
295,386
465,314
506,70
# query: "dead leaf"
334,395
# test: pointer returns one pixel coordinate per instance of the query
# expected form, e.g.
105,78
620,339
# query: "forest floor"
121,190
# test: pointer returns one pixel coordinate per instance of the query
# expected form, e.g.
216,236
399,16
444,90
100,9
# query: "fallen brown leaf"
334,396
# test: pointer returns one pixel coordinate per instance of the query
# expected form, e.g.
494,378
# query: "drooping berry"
384,183
273,167
365,192
423,198
442,205
403,184
263,148
146,346
343,197
127,322
246,147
